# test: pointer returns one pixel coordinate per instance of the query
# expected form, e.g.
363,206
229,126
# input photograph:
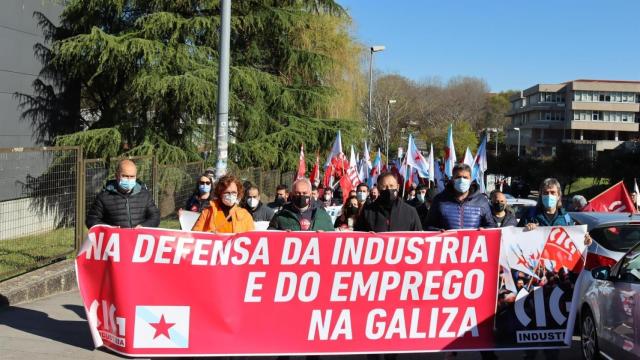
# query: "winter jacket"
508,220
261,212
111,207
537,216
196,204
289,219
241,220
447,213
400,217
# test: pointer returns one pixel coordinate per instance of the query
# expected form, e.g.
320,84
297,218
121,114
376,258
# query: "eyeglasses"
230,193
205,182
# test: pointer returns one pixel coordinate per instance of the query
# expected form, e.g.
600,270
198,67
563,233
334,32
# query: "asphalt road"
55,328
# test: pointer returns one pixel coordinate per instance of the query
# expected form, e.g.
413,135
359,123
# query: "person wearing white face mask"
362,194
461,205
255,207
223,215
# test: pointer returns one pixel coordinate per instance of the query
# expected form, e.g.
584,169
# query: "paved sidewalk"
55,328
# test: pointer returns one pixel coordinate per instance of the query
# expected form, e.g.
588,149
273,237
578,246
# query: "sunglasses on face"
205,182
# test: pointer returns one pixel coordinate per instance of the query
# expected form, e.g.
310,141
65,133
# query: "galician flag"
468,157
364,169
376,169
449,153
416,160
480,165
432,165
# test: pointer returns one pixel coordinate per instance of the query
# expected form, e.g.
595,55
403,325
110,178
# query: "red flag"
349,182
314,177
328,175
561,250
614,199
302,167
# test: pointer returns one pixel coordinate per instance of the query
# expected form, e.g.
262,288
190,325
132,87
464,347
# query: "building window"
595,115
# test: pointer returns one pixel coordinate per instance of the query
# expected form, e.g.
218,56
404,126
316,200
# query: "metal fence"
39,205
265,180
45,194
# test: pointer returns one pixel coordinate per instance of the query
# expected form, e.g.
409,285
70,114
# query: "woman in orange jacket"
224,215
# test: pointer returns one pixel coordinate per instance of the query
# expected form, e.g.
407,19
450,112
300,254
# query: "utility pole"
222,135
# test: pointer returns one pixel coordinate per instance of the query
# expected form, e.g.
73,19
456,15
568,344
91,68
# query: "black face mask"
387,197
301,201
498,207
279,200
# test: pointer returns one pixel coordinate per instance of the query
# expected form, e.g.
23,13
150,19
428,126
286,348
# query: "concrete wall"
18,219
19,32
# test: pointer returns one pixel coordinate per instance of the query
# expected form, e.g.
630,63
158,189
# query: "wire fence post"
80,206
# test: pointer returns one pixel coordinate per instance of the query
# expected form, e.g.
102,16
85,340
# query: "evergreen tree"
147,70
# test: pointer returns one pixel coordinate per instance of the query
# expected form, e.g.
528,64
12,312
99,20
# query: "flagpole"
404,182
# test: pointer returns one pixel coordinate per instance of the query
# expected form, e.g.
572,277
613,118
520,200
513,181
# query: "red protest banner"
161,292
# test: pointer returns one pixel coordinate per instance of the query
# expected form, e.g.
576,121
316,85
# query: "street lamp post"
387,132
495,131
518,130
373,49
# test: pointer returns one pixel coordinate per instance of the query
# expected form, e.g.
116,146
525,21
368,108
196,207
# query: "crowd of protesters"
229,206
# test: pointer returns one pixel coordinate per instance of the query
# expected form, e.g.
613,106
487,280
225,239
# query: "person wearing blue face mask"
202,194
124,202
461,205
548,212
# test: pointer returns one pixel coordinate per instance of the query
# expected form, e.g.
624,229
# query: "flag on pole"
314,177
614,199
468,157
302,167
336,149
364,169
335,164
480,165
449,153
351,180
353,161
376,169
432,165
415,159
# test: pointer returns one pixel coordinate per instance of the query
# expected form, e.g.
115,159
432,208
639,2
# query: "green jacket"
288,219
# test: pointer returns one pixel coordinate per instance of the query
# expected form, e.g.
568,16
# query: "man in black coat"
255,207
502,214
389,212
421,202
124,202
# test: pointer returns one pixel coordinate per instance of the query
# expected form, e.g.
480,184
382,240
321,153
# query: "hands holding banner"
262,293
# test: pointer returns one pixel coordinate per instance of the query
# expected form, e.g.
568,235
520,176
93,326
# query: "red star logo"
418,157
162,327
522,261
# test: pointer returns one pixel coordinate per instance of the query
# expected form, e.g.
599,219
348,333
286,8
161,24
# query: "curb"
49,280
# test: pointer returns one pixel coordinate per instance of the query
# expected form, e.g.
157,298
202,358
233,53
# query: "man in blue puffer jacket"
461,205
